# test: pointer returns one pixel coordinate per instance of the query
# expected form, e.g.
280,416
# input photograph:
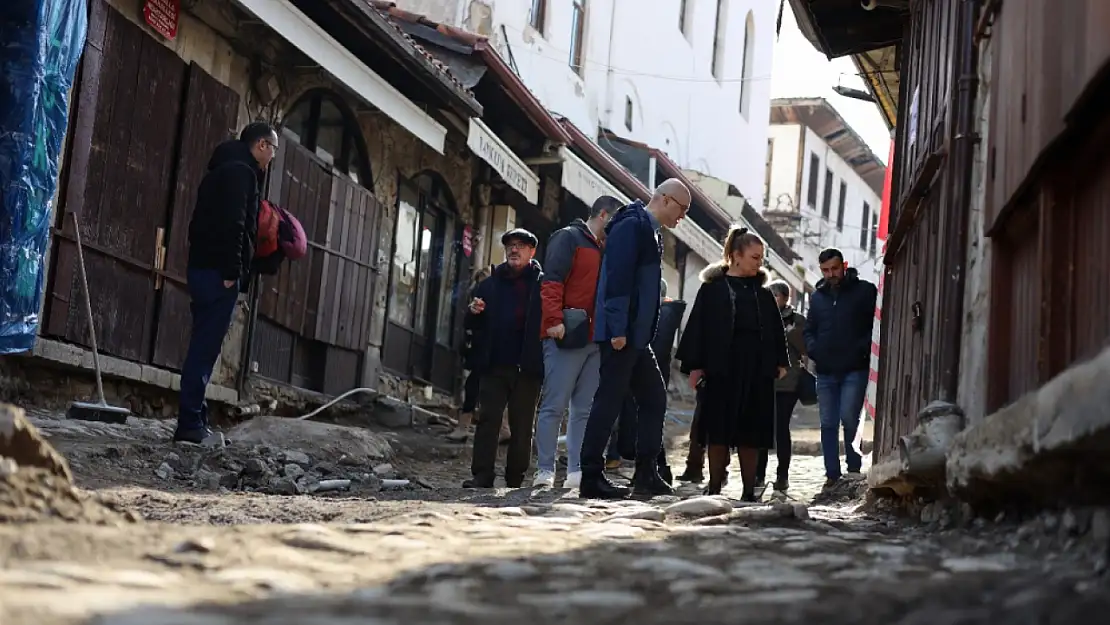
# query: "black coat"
224,225
732,392
483,328
670,318
839,325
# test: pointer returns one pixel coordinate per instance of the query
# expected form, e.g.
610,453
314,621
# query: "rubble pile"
267,469
35,482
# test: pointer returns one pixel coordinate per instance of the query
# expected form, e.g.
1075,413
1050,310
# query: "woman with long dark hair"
734,348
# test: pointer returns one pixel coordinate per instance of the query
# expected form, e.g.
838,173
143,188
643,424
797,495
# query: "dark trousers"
622,445
622,371
501,387
784,409
695,457
470,392
212,307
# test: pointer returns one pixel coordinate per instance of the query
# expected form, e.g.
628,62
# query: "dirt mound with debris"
32,495
846,490
36,483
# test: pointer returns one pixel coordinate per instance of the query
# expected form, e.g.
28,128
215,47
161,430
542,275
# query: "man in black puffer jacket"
504,319
838,341
221,247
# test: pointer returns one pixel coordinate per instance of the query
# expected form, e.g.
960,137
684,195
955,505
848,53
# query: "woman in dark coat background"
734,349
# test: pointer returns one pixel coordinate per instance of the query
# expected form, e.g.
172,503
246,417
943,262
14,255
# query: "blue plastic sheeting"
42,43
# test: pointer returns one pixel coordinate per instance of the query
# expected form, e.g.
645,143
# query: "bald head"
670,201
673,188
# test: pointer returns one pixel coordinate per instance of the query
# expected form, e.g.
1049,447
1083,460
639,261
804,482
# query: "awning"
512,170
308,37
581,181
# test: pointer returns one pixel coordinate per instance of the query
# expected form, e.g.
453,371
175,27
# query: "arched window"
746,67
720,27
321,122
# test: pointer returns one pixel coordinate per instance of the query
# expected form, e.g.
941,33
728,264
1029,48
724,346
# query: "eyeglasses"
517,246
270,144
685,207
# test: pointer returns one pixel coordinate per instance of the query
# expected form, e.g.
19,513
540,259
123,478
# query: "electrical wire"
604,67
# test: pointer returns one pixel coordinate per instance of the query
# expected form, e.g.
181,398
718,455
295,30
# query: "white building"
689,77
823,185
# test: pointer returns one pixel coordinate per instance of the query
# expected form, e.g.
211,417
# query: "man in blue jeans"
838,341
572,364
221,246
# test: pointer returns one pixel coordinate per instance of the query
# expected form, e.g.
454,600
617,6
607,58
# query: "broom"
82,410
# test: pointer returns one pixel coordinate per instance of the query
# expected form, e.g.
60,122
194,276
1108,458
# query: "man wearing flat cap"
505,316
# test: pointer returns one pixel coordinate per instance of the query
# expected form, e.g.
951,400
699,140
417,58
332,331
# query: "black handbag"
576,324
807,388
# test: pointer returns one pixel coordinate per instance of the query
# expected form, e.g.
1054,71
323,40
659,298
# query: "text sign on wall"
467,241
581,181
163,16
512,170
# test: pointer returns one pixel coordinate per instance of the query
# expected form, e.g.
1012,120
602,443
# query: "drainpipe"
963,155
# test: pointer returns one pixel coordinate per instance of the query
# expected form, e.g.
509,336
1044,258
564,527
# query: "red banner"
163,16
884,212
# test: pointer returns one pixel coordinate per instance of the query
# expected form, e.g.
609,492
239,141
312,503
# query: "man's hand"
228,284
782,372
557,331
477,305
618,342
695,377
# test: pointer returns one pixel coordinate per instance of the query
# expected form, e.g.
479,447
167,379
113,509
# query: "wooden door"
121,164
209,117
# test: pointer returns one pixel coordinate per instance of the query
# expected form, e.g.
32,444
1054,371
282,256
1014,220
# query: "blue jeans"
570,376
212,306
840,401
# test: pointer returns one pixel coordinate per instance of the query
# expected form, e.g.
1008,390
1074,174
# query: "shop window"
424,304
321,122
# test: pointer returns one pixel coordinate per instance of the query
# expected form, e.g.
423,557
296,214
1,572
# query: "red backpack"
269,221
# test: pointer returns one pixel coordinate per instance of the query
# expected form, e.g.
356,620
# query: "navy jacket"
628,286
839,324
493,329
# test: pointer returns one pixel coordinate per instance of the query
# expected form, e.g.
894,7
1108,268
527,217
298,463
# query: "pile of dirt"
35,481
849,489
33,495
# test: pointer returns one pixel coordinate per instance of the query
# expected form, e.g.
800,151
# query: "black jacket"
496,291
670,318
225,221
707,342
839,325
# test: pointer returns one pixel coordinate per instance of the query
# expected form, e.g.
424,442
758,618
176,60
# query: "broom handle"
88,309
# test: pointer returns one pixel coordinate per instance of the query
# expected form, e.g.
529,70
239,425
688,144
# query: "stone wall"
972,395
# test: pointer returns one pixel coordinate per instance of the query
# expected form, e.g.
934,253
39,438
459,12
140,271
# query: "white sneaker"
574,480
543,479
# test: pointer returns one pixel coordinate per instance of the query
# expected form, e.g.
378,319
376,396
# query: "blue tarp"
40,44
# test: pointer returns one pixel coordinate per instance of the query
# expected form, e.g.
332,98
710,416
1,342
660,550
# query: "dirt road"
217,551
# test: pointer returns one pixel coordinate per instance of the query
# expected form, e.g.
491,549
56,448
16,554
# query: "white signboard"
581,181
512,170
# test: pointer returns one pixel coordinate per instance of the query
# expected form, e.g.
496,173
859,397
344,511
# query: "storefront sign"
512,170
467,241
581,181
163,16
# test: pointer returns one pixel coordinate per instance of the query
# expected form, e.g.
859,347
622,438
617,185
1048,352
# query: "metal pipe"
963,155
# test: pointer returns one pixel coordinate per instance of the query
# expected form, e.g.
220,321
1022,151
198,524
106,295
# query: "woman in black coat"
734,348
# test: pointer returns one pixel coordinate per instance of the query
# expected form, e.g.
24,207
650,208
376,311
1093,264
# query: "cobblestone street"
439,554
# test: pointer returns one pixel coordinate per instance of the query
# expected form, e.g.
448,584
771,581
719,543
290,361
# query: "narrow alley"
156,540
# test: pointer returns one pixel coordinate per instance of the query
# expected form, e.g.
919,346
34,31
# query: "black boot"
599,487
479,481
646,481
665,473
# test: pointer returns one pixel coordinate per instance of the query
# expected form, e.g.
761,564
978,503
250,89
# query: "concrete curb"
1048,447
